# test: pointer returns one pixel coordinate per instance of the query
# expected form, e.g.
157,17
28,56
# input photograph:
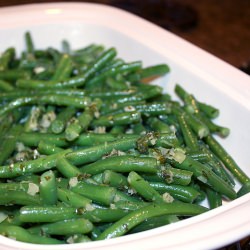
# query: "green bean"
214,198
149,109
153,109
9,143
48,99
114,108
228,161
6,57
48,188
158,125
76,81
13,75
214,128
144,189
12,218
6,86
114,179
59,124
21,234
182,193
154,222
63,69
116,84
103,195
208,177
66,168
48,148
5,124
100,215
202,157
134,218
128,204
31,166
139,129
37,214
29,178
66,47
245,188
120,69
32,120
73,199
195,106
18,197
32,139
124,118
86,117
155,139
114,94
90,139
154,71
189,138
122,164
12,95
14,186
78,238
95,153
73,129
187,98
118,129
217,166
129,195
172,175
210,111
29,43
92,50
197,125
65,227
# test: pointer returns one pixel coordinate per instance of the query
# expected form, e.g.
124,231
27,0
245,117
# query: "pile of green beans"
89,151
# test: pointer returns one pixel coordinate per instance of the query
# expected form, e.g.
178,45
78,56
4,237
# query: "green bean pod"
134,218
91,154
103,195
31,166
21,234
67,169
32,139
48,148
6,57
6,86
144,189
18,198
73,199
208,177
46,99
63,69
37,214
124,118
65,227
48,188
58,125
228,161
179,192
122,164
214,198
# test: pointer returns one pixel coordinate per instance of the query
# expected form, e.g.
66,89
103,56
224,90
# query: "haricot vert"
90,151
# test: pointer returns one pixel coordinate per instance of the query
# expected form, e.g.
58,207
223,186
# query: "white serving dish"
210,79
